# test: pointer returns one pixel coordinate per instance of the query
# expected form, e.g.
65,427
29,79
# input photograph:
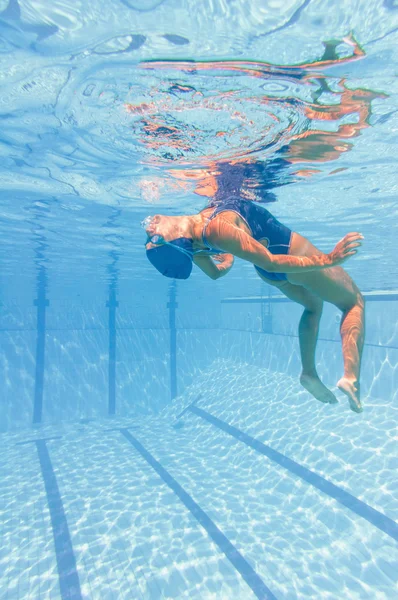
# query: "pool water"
155,440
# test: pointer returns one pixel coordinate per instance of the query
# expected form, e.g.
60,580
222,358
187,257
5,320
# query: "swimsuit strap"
204,238
219,209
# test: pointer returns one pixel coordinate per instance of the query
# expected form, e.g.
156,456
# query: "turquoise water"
156,442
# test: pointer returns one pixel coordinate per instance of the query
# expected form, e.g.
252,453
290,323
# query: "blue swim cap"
173,259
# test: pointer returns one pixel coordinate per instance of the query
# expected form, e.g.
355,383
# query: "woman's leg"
334,285
352,329
308,335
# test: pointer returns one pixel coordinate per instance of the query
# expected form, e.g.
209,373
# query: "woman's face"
152,225
166,227
159,225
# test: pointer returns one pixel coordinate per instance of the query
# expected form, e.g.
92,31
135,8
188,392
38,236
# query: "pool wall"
69,361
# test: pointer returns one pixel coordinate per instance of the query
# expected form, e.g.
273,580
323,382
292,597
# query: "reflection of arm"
228,237
213,270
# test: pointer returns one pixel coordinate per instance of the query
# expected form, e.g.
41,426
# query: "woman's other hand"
345,248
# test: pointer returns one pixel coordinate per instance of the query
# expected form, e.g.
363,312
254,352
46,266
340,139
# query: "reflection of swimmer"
282,258
323,146
250,180
173,137
259,69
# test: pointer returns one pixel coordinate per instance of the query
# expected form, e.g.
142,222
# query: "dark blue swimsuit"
262,225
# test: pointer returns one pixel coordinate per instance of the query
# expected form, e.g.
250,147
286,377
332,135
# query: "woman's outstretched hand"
224,261
345,248
223,258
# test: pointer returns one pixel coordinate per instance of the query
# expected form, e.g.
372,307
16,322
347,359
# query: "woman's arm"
212,270
225,235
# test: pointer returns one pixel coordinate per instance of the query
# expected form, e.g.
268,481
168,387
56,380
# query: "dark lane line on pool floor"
357,506
68,576
252,579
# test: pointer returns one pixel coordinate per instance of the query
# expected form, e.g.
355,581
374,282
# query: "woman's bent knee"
359,300
358,303
315,305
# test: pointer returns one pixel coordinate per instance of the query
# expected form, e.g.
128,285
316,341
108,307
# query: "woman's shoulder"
207,209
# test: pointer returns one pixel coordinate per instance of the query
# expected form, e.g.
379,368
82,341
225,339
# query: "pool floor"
254,492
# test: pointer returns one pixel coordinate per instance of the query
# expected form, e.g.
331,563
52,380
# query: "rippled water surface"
113,110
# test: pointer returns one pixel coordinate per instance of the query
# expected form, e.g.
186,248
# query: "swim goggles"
184,245
154,239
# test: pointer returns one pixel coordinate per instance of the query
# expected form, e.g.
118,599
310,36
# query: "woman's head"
172,258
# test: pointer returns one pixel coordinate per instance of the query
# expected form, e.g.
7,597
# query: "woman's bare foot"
351,390
314,386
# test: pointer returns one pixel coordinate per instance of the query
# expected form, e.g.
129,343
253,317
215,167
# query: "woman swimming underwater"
283,258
